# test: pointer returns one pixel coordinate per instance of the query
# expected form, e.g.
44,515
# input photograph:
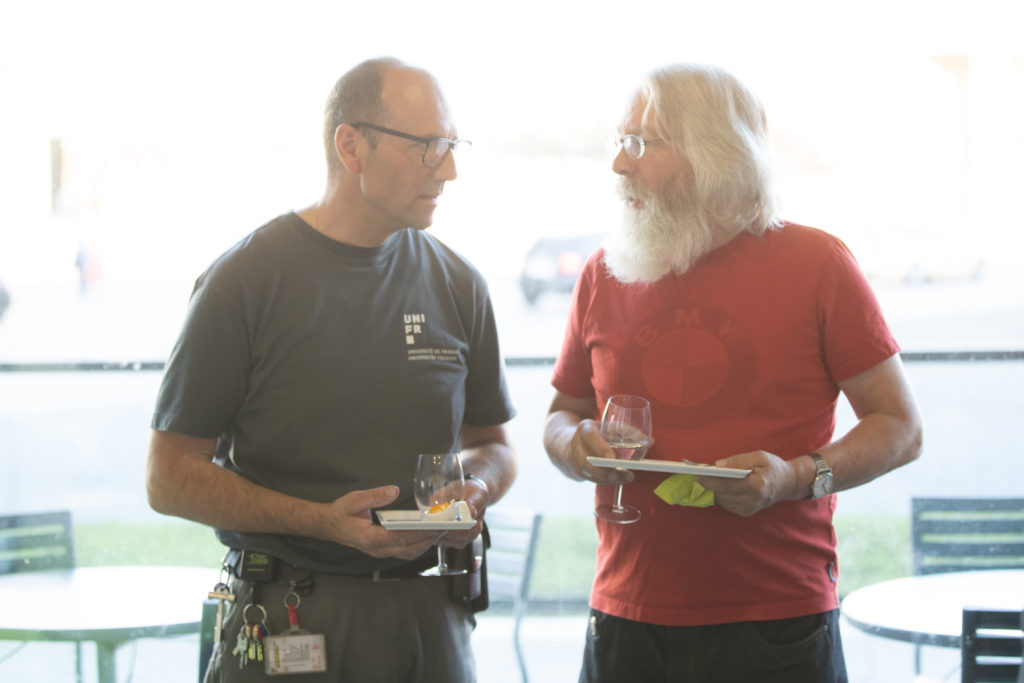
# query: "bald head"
374,91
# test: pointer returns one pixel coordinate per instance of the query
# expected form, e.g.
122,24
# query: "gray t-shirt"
325,368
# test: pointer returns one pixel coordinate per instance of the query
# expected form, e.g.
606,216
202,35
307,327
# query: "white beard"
664,235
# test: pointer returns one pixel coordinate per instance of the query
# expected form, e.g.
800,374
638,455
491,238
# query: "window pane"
139,142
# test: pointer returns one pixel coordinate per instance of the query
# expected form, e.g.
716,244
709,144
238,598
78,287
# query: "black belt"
409,570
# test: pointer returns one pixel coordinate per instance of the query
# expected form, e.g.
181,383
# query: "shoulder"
795,234
594,269
796,242
257,250
431,251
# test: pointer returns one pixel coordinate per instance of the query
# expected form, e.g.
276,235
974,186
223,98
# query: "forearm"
888,433
488,455
559,430
183,481
878,444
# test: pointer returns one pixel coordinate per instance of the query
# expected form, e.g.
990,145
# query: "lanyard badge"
296,651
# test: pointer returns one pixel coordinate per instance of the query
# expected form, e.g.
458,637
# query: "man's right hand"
570,438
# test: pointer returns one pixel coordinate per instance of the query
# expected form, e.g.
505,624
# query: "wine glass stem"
441,566
618,498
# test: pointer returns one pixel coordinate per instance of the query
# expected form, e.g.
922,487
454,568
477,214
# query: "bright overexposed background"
140,139
150,136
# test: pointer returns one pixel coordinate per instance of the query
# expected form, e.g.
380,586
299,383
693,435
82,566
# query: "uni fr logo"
413,323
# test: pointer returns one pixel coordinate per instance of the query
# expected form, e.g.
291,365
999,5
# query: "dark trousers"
799,650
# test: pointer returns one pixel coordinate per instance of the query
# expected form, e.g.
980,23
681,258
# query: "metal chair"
962,534
991,646
510,564
37,542
965,534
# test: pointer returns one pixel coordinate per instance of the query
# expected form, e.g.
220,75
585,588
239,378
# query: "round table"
106,605
928,609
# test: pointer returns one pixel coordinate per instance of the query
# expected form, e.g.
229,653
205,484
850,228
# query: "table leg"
106,662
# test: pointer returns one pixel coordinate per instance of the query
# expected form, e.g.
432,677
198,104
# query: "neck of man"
337,216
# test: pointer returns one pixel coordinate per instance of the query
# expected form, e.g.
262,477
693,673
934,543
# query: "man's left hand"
771,480
477,497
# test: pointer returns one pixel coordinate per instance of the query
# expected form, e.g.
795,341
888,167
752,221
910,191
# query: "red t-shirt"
741,353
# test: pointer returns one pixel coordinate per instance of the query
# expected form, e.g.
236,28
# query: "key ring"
245,614
298,600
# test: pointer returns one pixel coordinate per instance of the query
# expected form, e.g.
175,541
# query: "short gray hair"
719,126
356,97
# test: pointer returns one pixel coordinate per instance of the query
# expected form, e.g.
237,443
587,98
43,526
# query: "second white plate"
414,520
671,467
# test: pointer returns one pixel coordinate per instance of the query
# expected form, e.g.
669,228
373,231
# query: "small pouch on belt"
471,587
251,566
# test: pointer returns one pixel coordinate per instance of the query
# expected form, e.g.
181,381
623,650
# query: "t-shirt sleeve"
855,335
573,373
205,377
487,396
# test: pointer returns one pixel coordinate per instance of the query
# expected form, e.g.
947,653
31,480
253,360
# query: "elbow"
914,440
158,492
155,492
916,445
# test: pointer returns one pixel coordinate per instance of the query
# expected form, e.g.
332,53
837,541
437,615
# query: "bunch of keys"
249,647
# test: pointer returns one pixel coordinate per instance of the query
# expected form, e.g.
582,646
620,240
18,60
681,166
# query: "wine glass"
438,480
626,426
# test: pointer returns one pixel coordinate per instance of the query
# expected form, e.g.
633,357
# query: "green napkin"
681,489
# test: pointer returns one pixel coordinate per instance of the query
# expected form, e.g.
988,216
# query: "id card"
294,654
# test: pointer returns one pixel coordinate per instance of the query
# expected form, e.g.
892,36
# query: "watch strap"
823,483
483,484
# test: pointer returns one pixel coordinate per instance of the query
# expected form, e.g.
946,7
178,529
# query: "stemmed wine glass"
438,480
626,426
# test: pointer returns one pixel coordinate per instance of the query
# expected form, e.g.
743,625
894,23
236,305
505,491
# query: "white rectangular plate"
670,466
414,520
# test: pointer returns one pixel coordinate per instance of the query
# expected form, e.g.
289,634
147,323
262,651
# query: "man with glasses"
319,357
742,330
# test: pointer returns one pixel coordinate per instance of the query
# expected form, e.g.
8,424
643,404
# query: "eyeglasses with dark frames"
634,145
435,150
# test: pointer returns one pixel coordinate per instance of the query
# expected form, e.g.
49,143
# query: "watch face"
823,485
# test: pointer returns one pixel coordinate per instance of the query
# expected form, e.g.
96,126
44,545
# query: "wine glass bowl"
438,480
626,427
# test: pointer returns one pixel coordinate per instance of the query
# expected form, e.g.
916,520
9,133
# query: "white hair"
719,126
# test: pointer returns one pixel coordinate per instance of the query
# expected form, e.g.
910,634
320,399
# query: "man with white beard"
741,330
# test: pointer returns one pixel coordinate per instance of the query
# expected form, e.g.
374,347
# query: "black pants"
800,650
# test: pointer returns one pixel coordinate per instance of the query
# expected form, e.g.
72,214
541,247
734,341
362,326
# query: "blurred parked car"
553,263
5,299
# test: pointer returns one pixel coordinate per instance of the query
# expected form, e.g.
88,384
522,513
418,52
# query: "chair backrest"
510,558
207,631
961,534
36,541
991,645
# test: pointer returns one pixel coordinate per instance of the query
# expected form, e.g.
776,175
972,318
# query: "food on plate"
452,511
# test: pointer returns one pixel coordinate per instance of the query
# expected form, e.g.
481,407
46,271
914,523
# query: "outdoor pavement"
552,646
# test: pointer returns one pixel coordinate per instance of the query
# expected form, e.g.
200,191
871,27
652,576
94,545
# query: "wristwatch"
824,483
